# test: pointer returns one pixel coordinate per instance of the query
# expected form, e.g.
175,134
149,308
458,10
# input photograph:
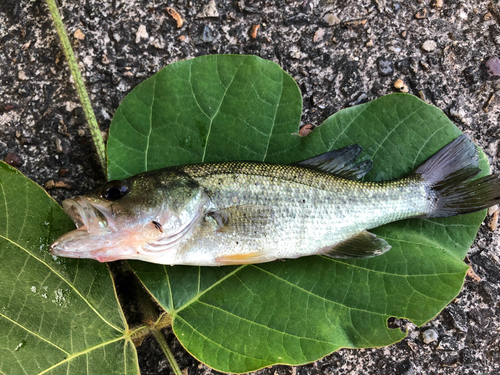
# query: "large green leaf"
207,109
57,316
238,319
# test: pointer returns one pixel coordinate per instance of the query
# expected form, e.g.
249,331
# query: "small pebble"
79,35
331,19
305,130
295,54
429,45
158,44
472,275
394,48
22,76
401,86
369,43
318,35
413,346
492,209
209,11
460,114
59,148
141,34
494,221
7,107
254,31
207,36
13,159
438,4
422,13
51,184
492,67
362,98
429,336
175,16
385,67
356,23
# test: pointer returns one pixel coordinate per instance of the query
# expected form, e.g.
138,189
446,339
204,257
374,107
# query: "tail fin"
448,175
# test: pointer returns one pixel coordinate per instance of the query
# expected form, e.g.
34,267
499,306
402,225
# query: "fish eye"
114,190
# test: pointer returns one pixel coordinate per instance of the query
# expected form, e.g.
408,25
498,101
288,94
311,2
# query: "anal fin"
362,245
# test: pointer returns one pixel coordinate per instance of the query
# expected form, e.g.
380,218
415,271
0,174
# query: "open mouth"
96,235
87,216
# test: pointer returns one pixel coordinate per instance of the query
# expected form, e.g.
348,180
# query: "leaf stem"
80,85
163,344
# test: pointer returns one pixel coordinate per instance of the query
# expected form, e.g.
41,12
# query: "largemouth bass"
230,213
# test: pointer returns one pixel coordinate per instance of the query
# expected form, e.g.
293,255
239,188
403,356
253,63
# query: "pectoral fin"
248,220
363,245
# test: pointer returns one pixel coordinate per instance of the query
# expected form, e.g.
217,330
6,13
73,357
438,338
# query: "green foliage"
58,316
238,319
206,109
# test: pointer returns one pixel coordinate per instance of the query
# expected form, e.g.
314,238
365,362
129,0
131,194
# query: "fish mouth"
89,216
95,223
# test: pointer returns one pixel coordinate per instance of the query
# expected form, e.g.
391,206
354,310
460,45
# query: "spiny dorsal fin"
340,163
243,219
363,245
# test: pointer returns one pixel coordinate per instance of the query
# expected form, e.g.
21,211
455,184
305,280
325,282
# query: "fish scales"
310,209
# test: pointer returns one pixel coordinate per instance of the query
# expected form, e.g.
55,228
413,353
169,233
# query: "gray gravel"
340,52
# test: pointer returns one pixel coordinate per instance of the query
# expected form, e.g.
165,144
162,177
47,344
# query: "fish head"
144,217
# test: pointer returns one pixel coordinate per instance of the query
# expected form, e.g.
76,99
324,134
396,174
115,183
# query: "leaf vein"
274,119
33,333
66,281
221,346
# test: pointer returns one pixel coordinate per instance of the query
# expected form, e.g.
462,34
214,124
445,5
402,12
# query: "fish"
242,212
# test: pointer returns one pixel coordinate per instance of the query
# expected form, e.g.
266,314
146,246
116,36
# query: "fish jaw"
93,238
110,246
96,236
83,245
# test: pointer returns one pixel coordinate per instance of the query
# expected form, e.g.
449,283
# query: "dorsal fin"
340,163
